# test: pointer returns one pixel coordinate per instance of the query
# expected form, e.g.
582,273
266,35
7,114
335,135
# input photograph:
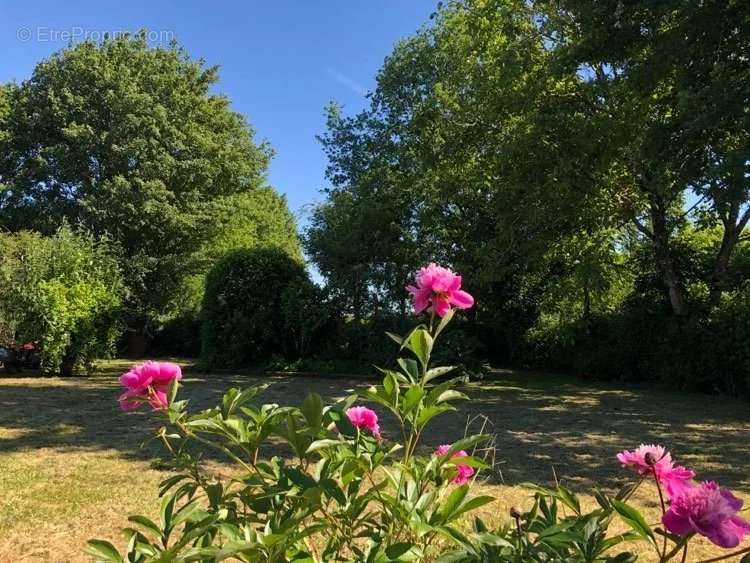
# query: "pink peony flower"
463,472
364,418
148,382
648,459
710,511
438,289
158,400
130,400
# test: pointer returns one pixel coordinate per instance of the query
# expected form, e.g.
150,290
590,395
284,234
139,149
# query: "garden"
513,327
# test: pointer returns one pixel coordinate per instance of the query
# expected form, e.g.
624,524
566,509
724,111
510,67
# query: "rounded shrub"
63,292
243,313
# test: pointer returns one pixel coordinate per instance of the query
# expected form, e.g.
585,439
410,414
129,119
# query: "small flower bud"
515,512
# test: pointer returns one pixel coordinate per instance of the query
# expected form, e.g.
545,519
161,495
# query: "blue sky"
281,61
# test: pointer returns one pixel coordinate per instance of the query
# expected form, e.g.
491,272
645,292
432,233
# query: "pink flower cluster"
655,460
438,289
463,472
703,508
148,382
710,511
364,418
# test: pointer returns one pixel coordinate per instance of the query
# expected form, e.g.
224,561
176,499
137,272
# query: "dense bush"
708,352
63,292
245,316
179,336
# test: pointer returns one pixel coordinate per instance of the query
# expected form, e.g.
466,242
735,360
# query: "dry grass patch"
71,466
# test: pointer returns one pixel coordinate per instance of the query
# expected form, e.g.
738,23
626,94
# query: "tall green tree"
258,218
672,81
131,142
472,148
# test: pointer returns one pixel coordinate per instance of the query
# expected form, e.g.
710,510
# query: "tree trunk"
587,305
665,261
136,339
732,232
67,365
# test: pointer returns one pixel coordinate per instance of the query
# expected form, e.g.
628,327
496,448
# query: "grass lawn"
71,465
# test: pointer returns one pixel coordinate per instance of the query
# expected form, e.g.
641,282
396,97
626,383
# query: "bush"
63,292
179,336
243,311
708,352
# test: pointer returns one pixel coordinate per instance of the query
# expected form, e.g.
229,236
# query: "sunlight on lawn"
71,465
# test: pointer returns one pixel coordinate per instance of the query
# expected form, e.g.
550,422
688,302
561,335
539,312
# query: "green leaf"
412,397
146,523
420,342
569,499
428,413
444,321
103,551
494,540
411,370
312,409
397,551
450,395
634,519
437,372
472,504
466,444
453,501
167,509
332,489
234,398
167,484
325,443
174,386
395,337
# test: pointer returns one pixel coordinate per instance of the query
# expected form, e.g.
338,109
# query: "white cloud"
344,80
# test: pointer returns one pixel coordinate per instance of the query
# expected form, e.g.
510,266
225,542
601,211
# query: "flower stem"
663,510
722,557
682,544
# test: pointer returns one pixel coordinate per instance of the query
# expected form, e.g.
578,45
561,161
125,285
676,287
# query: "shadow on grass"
546,426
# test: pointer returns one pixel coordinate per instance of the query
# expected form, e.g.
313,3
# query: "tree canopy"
130,142
575,158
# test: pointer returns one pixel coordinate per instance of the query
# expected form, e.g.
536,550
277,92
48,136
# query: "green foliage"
579,161
128,141
63,292
344,494
643,343
259,218
305,309
244,315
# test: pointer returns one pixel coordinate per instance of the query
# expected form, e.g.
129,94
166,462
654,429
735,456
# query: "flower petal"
677,524
461,299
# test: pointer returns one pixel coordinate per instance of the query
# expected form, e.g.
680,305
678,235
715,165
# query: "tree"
130,142
254,219
671,80
470,148
363,238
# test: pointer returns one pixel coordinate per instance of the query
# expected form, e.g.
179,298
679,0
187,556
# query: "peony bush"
348,491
